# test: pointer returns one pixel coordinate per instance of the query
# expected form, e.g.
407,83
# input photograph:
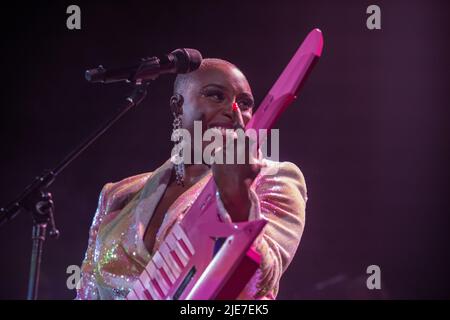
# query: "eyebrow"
246,94
215,85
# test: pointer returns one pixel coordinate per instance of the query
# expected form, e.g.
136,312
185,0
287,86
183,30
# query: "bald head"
209,93
183,81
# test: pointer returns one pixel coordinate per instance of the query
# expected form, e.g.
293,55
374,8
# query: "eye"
245,104
215,95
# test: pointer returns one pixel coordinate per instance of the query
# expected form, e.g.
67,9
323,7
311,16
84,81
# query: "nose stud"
235,106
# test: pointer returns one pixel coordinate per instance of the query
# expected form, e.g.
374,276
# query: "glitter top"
116,254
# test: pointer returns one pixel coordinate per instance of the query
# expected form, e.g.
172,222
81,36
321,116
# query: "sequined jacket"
116,254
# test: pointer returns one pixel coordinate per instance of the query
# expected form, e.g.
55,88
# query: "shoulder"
115,195
283,173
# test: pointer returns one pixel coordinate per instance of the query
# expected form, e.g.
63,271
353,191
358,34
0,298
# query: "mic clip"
146,70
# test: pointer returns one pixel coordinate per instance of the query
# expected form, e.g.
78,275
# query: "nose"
228,110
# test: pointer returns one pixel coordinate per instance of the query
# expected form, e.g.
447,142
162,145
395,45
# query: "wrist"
237,202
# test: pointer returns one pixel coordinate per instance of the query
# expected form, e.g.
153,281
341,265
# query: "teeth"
225,131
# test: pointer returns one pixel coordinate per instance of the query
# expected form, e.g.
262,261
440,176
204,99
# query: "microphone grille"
188,60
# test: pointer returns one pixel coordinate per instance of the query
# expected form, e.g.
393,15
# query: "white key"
154,274
180,234
161,264
173,265
139,290
146,280
132,295
174,245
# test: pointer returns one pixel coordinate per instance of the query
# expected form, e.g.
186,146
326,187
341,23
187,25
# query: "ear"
176,104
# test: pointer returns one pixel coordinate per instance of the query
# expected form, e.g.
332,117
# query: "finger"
237,117
252,148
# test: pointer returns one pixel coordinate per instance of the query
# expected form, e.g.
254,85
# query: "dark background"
369,130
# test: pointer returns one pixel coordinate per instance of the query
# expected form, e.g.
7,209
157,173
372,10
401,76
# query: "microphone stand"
36,200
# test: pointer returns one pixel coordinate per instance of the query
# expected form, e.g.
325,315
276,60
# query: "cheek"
191,112
199,110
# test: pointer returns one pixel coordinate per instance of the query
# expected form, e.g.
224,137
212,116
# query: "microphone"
178,61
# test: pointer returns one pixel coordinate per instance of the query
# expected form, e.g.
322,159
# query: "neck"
194,172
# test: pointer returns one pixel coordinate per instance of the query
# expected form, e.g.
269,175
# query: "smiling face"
210,92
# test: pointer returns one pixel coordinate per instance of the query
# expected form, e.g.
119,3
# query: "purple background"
369,130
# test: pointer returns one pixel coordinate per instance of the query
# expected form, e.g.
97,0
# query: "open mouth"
224,128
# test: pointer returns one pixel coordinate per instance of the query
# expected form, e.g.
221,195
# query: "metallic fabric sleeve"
87,287
282,199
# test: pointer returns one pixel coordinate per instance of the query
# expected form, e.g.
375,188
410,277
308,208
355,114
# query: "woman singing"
122,240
